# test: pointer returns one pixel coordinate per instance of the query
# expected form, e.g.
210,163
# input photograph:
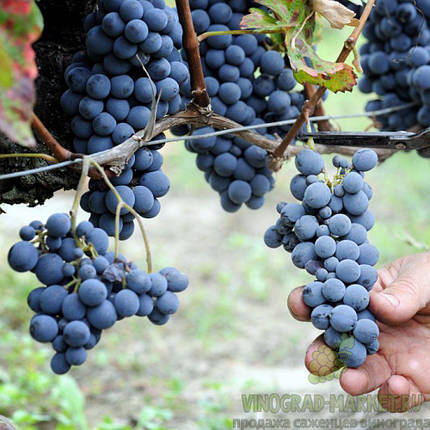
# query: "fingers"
398,394
404,294
372,374
297,306
398,303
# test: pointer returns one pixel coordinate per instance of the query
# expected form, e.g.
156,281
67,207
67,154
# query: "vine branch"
324,124
191,46
49,140
280,153
118,156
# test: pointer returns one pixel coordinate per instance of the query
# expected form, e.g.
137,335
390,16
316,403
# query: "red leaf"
20,26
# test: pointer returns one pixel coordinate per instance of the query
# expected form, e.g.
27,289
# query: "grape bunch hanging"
110,98
395,61
86,288
248,83
327,235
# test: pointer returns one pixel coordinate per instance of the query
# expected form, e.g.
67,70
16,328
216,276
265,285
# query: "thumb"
404,297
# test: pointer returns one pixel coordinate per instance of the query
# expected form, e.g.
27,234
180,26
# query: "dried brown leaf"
335,13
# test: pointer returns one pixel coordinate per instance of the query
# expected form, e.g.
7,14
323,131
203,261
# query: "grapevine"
240,83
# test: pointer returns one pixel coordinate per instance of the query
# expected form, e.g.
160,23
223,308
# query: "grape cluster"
140,185
109,95
86,289
327,235
395,61
248,84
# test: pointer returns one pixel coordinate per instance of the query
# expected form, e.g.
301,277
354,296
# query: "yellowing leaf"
335,13
309,67
293,21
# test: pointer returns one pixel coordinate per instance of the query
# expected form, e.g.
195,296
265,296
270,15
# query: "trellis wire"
216,133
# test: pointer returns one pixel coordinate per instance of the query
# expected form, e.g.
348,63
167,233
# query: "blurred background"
232,335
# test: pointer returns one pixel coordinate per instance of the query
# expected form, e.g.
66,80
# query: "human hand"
400,301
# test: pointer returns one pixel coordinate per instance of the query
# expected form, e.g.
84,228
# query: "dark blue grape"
92,292
332,338
357,297
126,303
320,316
157,182
76,356
87,272
112,24
146,305
168,303
312,294
352,352
122,86
364,160
70,102
102,316
239,191
158,284
131,9
33,299
98,86
59,344
156,317
77,79
43,328
72,307
272,63
23,256
118,108
76,333
347,249
366,331
305,227
49,269
99,239
219,42
59,364
201,20
343,318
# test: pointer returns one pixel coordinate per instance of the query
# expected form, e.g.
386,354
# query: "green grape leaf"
20,25
294,20
260,19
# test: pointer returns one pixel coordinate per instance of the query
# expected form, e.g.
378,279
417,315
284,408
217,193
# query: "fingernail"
393,300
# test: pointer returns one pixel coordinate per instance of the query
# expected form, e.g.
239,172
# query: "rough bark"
62,37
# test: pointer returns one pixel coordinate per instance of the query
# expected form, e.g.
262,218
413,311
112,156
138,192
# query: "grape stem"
122,203
79,191
278,156
46,157
117,215
204,36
